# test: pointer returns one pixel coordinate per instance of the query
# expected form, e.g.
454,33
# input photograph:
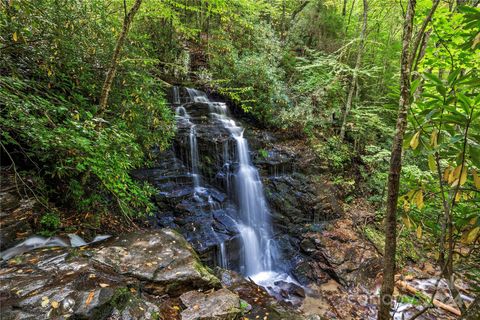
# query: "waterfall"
254,217
259,257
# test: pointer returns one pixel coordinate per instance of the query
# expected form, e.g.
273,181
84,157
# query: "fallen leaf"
45,302
104,285
90,298
55,304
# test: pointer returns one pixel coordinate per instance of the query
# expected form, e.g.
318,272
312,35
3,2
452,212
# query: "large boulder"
53,284
162,258
218,305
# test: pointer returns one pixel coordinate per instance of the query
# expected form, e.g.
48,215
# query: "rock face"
339,252
162,258
218,305
129,277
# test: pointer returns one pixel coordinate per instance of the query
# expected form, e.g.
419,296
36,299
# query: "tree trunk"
107,85
344,9
284,25
358,63
410,54
349,16
395,168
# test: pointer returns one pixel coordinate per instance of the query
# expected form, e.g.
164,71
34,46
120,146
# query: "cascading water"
183,116
254,223
176,95
259,259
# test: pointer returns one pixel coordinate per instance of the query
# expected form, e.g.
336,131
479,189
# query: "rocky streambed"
141,275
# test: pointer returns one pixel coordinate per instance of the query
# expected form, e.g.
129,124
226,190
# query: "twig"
18,175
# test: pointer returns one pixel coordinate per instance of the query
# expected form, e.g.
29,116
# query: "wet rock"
161,257
308,246
291,288
9,201
15,222
49,285
275,162
136,309
218,305
113,281
261,302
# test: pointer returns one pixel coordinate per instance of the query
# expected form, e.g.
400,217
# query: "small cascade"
194,158
197,96
183,117
176,95
223,256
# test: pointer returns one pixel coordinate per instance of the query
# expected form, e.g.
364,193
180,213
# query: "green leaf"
452,77
433,78
431,163
414,85
441,89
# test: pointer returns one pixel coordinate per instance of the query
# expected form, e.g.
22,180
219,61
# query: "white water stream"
259,257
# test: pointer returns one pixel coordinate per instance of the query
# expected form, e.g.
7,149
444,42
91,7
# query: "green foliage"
249,74
263,153
337,154
444,140
49,87
50,223
375,173
316,93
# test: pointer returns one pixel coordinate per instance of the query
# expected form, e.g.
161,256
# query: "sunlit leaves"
431,163
415,140
445,110
476,179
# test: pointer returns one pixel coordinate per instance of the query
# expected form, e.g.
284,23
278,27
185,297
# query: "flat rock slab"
218,305
162,258
120,280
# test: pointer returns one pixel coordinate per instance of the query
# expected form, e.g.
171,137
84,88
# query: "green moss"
263,153
121,298
244,306
207,274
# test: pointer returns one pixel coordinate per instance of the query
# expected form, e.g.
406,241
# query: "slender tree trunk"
409,55
344,9
284,23
358,64
349,16
107,85
395,168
